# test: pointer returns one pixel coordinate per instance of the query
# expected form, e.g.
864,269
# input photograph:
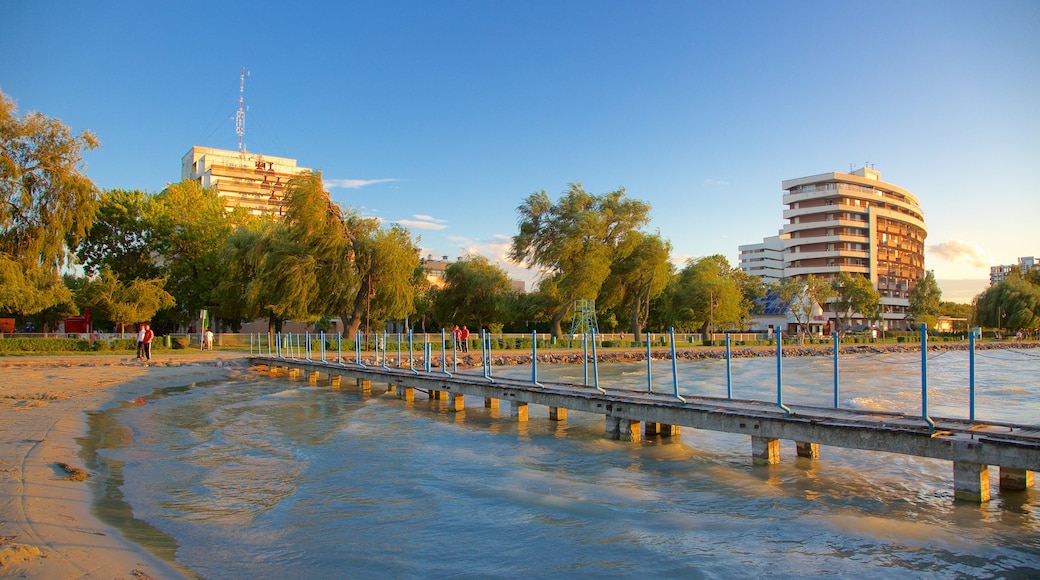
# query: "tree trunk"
636,326
557,319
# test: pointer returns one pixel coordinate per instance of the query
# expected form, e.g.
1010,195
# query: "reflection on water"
271,478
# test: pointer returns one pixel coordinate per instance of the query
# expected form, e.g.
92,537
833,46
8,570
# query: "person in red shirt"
464,335
148,336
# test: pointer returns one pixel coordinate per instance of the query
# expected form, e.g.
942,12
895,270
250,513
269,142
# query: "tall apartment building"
998,274
250,180
856,223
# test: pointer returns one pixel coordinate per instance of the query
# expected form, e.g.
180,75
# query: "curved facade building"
856,223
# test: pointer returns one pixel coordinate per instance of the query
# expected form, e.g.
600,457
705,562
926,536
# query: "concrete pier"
971,446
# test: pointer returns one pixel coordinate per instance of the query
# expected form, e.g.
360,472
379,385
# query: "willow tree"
384,263
46,202
1013,304
575,240
125,302
475,293
636,279
804,295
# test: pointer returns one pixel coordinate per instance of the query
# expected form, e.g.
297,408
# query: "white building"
998,274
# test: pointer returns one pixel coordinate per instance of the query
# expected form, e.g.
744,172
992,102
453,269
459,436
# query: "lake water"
270,478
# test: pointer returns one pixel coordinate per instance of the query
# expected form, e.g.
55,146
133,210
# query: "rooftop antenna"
240,116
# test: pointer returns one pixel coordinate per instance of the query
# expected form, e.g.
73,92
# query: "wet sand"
47,529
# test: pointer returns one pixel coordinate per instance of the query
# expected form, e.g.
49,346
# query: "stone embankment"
554,356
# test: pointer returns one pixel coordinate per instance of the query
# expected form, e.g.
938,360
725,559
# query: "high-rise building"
856,223
250,180
998,274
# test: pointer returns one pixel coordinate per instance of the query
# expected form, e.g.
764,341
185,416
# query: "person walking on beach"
140,341
207,341
464,335
147,340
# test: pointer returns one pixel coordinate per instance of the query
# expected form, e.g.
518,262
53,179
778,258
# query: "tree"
125,303
925,300
1013,304
122,237
190,226
636,279
575,241
804,295
386,261
705,295
853,294
45,199
475,293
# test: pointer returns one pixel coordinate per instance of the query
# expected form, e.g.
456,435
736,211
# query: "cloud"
715,182
424,222
354,183
961,251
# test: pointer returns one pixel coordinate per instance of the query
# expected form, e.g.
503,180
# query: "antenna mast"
240,117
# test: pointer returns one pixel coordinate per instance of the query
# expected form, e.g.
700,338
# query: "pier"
972,446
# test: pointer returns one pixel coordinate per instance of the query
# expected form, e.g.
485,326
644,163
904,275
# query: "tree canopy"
45,200
575,240
926,300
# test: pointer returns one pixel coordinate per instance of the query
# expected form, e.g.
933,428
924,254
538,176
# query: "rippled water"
271,478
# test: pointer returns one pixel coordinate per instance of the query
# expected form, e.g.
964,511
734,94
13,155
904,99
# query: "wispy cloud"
715,182
354,183
961,251
424,222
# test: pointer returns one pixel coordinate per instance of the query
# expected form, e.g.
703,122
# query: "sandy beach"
47,529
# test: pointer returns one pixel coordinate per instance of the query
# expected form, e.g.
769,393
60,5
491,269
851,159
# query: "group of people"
461,336
145,335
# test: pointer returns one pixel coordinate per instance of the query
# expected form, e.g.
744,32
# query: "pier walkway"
971,446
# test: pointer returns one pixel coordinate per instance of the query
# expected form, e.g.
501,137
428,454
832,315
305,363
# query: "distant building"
765,260
847,222
250,180
998,274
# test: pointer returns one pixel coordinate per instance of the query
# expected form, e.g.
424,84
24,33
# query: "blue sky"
444,116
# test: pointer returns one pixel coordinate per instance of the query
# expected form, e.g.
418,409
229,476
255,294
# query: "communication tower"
240,116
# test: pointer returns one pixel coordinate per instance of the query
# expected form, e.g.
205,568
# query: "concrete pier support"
1015,479
391,388
662,429
971,482
313,376
765,450
612,426
808,450
294,373
406,393
456,402
490,403
335,380
628,430
557,413
437,395
364,385
519,411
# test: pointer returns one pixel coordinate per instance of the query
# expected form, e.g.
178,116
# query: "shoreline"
47,525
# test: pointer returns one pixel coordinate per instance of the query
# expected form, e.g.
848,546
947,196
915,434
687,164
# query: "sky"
444,116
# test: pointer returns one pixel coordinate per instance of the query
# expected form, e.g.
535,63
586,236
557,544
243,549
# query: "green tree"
636,279
122,237
925,300
574,242
45,199
853,294
705,295
476,292
386,260
190,225
125,303
804,295
1013,304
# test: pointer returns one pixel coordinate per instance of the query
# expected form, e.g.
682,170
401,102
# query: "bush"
44,345
180,342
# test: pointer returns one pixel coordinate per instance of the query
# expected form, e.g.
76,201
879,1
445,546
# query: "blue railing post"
444,353
323,346
534,359
595,363
837,341
675,367
307,346
729,372
584,357
339,348
971,375
649,383
400,360
454,353
924,378
780,374
385,366
411,359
